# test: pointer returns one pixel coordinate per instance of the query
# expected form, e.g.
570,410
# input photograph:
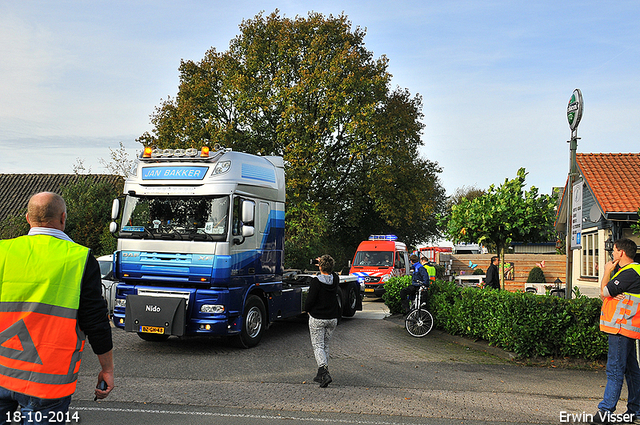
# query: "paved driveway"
378,369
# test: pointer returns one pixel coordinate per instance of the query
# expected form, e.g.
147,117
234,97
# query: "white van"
108,282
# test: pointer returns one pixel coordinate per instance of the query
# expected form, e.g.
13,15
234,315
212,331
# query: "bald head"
47,209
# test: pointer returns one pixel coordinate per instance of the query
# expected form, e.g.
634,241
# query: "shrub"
536,275
527,324
392,290
478,271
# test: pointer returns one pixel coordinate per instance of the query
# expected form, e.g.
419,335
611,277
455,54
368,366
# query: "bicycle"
419,321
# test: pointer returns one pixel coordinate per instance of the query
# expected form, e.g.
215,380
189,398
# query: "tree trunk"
500,247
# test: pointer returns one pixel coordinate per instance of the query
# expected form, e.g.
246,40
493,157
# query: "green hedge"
526,324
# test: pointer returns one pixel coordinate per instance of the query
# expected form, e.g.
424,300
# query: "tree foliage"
636,227
89,212
119,163
502,215
14,226
309,90
466,192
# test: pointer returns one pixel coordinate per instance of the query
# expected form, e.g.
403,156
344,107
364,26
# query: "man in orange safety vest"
50,298
620,319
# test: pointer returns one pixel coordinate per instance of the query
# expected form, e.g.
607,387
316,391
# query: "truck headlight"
212,308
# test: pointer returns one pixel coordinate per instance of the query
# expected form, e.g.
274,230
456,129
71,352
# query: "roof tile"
16,189
614,179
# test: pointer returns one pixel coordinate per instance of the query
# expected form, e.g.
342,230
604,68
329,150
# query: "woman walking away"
324,310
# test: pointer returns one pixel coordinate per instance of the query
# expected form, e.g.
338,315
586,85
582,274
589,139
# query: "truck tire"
153,337
253,322
351,300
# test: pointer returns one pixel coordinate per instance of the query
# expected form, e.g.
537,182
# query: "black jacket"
322,299
492,280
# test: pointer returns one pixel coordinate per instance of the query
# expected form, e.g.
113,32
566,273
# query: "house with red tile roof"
610,200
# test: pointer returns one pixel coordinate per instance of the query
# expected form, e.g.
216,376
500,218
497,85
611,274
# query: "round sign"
574,110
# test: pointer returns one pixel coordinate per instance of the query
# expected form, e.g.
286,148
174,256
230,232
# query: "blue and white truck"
201,247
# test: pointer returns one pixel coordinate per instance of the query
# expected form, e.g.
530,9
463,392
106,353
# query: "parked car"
108,282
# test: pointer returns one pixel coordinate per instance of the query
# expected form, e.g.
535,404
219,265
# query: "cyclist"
419,277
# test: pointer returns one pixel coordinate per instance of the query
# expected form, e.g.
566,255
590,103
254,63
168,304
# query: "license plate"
368,290
152,329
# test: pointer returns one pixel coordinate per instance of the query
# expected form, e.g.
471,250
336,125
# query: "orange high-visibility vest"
40,341
622,316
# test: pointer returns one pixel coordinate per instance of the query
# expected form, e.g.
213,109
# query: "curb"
478,345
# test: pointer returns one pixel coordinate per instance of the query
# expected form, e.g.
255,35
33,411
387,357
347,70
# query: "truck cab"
378,259
201,247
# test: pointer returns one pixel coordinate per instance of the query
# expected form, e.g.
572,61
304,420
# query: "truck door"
243,237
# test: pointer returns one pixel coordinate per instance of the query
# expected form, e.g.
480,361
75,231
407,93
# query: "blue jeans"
621,364
10,401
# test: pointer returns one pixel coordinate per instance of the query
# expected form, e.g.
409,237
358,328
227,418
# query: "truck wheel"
349,309
153,337
253,322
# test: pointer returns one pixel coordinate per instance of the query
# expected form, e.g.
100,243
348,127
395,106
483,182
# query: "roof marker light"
204,153
147,152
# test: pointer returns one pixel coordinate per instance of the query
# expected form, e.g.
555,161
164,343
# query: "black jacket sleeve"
312,295
93,316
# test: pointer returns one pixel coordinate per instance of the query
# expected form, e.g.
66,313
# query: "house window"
589,263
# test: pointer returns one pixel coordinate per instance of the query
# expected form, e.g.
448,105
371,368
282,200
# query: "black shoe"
630,417
318,377
326,378
601,417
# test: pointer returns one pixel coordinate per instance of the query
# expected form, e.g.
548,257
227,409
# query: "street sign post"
574,115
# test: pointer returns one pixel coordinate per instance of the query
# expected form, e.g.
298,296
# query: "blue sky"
78,78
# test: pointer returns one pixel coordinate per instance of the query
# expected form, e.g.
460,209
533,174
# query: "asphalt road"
381,376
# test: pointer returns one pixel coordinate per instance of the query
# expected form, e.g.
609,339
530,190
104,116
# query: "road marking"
232,415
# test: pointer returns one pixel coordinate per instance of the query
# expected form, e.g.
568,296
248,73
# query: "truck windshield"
176,217
373,259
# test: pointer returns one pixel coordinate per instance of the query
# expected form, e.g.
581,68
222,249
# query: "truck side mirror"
115,209
247,231
248,211
115,212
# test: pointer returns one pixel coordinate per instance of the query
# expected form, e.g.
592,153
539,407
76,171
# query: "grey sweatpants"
321,331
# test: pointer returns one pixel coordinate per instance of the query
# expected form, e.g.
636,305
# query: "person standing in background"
493,279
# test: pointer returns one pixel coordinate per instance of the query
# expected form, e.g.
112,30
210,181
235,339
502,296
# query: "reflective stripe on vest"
40,341
622,316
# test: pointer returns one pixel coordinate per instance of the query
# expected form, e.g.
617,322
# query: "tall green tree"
502,215
309,90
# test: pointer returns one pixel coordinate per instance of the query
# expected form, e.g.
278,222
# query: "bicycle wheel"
418,323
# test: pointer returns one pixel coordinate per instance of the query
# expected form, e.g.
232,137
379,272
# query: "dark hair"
493,258
326,263
628,246
414,258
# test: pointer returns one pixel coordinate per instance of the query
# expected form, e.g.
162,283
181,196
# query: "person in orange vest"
619,317
50,298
